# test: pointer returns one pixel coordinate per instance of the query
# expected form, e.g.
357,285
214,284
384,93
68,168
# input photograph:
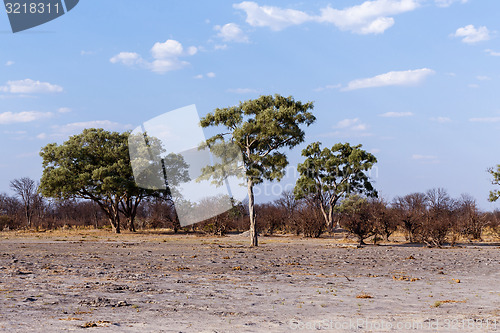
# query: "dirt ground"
98,281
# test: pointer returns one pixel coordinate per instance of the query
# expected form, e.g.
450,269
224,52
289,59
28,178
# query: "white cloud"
483,78
441,120
492,53
375,151
210,75
127,58
273,17
351,127
169,49
231,32
472,35
242,91
448,3
401,78
473,86
64,110
28,86
80,126
166,65
41,136
485,120
220,47
396,114
165,57
9,63
22,117
370,17
347,123
353,124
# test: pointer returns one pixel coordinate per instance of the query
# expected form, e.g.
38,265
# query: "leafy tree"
93,165
25,189
495,194
331,174
260,128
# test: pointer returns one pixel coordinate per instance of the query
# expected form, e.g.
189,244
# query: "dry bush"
410,210
470,222
440,218
271,218
310,219
357,216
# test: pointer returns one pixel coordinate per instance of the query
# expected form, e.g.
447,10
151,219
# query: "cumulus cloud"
127,58
9,63
396,114
370,17
273,17
231,32
22,117
166,57
395,78
29,86
471,34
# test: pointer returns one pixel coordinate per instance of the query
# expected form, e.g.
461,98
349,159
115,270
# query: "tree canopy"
260,128
331,173
92,165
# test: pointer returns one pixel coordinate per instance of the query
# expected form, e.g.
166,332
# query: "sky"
414,81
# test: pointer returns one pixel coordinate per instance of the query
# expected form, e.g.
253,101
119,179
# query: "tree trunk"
131,226
253,229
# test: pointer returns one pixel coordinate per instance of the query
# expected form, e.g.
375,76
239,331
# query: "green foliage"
260,127
89,165
330,174
495,194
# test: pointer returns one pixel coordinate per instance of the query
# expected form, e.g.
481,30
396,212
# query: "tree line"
93,170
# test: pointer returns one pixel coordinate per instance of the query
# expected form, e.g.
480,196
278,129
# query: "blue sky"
414,81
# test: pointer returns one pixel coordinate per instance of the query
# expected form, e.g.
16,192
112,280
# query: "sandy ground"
164,283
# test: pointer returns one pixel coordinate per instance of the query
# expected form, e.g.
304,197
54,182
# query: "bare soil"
98,281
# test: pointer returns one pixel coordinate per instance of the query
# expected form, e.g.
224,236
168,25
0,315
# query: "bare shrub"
411,212
357,217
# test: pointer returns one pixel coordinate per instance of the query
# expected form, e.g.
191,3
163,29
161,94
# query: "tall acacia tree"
261,128
330,174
